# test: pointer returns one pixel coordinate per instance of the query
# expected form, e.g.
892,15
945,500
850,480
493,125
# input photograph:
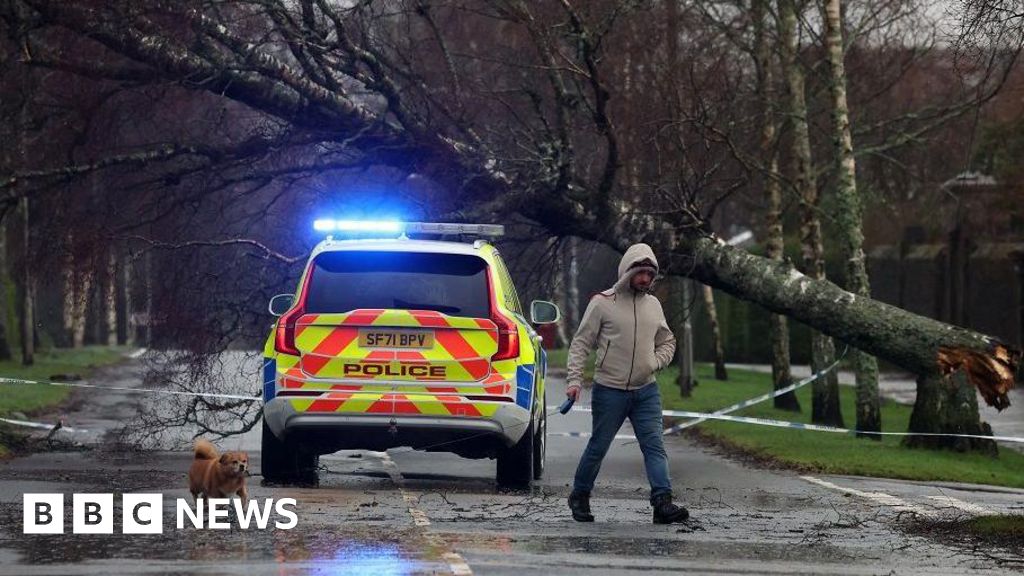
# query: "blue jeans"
611,407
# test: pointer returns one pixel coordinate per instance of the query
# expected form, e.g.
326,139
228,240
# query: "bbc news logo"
144,514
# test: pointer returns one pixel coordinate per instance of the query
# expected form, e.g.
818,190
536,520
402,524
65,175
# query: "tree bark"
562,328
572,274
126,336
568,292
716,334
848,217
110,298
774,241
28,292
686,381
67,275
811,247
5,344
948,404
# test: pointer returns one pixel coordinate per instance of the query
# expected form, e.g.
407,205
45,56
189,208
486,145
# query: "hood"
635,253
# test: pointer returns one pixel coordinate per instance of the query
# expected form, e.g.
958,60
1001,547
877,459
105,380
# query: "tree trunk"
148,330
572,274
67,275
948,404
110,298
716,333
563,330
126,335
825,390
774,241
848,217
5,344
684,335
28,292
81,285
568,293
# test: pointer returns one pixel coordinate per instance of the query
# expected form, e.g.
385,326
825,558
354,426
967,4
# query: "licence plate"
396,339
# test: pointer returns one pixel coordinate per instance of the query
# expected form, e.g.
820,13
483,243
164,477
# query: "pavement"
405,512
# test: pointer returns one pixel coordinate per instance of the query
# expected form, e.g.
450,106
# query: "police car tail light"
508,337
284,338
508,332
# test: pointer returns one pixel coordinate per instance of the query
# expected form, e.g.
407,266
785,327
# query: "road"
405,512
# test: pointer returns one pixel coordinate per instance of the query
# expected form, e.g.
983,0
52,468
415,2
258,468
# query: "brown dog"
215,475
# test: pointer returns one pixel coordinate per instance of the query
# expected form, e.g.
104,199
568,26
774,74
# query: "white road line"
949,501
419,517
456,562
882,498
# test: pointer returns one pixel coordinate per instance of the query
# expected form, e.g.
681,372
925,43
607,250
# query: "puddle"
358,549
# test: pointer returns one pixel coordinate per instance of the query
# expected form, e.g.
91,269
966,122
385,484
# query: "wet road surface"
406,512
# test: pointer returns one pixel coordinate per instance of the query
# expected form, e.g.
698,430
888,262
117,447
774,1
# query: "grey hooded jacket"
628,329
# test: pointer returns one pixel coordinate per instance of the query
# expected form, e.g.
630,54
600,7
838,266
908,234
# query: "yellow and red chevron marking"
328,342
494,385
394,403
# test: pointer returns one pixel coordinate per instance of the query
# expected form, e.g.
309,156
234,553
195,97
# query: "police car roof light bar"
327,225
406,228
492,230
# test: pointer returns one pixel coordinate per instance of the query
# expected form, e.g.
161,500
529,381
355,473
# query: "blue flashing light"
391,226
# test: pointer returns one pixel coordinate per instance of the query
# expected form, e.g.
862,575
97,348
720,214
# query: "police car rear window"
454,284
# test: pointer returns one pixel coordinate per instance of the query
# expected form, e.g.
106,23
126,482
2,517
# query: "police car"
405,341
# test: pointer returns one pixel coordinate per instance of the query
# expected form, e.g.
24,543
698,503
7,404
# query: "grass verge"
1007,525
28,399
999,538
824,452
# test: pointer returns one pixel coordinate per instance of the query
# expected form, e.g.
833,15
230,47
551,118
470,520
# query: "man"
627,326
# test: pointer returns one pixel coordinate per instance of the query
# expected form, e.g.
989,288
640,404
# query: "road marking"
455,562
961,505
879,497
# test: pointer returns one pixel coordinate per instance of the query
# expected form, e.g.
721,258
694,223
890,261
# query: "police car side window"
511,297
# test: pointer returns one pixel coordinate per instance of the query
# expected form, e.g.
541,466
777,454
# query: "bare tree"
848,219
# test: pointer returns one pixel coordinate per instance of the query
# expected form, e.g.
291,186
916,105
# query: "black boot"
665,512
579,503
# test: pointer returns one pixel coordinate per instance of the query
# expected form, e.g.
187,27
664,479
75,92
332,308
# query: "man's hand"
573,392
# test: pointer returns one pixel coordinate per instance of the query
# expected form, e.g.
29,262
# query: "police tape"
39,425
795,426
762,398
5,380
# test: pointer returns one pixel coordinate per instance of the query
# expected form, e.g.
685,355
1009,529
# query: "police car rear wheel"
515,464
540,444
283,463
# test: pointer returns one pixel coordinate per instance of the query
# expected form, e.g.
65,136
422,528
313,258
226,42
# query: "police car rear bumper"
507,425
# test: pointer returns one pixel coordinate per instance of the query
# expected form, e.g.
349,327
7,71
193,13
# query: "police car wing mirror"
543,312
281,303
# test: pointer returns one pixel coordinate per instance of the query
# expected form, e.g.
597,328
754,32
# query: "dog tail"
204,450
